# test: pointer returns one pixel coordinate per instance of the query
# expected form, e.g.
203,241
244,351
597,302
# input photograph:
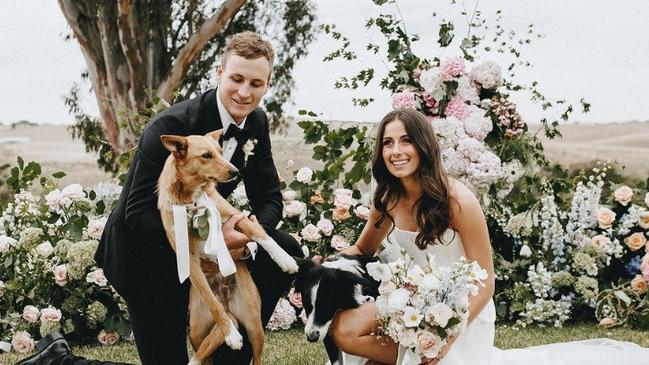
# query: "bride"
418,208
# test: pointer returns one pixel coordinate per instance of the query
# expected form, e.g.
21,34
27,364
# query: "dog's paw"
286,263
233,339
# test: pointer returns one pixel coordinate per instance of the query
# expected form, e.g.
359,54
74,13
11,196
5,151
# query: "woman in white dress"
419,208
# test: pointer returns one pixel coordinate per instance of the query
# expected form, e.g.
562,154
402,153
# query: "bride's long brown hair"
433,212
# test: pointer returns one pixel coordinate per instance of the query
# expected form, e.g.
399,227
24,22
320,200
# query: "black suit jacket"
134,251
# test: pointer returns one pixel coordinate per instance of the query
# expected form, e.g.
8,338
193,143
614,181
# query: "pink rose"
404,99
605,217
635,241
325,226
50,314
295,298
623,195
644,220
639,284
108,338
97,277
30,314
96,227
362,212
339,242
310,233
289,195
60,275
294,208
22,342
428,343
600,240
304,175
343,198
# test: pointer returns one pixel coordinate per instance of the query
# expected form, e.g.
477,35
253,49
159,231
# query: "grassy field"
290,347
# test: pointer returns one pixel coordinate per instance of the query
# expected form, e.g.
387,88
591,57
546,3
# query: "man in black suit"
134,251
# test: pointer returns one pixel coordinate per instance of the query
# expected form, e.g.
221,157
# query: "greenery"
291,347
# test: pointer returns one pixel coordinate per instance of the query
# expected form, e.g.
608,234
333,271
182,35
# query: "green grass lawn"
290,347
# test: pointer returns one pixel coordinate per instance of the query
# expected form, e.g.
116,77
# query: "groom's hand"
234,239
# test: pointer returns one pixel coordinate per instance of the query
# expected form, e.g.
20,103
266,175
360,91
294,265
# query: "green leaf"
445,34
21,162
59,174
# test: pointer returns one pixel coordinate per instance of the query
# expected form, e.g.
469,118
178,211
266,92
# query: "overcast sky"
596,49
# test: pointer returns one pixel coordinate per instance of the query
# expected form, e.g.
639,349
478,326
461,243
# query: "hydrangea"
49,327
30,237
588,288
458,108
451,68
108,192
633,266
449,130
79,257
584,263
562,279
467,90
84,205
96,314
431,81
404,99
283,316
477,125
487,74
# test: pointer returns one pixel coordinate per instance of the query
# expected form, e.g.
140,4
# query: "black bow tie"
241,135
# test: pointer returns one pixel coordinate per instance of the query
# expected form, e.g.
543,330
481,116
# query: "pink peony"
22,342
108,338
50,314
30,314
97,277
451,68
404,99
60,275
457,108
295,298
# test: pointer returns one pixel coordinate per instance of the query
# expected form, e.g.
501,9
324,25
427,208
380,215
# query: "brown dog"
216,304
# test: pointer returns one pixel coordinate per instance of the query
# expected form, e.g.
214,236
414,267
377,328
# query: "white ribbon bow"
214,245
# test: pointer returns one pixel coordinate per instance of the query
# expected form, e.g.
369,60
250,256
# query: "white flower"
289,195
295,208
429,282
30,314
343,198
440,313
379,271
326,226
411,317
487,74
623,195
477,125
290,163
467,90
73,192
97,277
248,147
398,299
525,251
44,249
310,233
6,242
54,199
50,314
339,242
415,274
362,212
22,342
305,250
304,175
387,287
431,81
60,274
96,227
239,195
449,130
407,337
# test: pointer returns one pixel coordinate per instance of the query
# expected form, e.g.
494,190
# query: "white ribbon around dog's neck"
214,245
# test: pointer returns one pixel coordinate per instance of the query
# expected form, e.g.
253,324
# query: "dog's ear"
215,135
176,145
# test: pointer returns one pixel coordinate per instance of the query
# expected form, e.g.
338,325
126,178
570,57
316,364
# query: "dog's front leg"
256,233
232,336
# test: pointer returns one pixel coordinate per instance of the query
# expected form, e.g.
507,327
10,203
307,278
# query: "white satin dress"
475,346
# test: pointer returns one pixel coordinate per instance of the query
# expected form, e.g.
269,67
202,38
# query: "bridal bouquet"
422,308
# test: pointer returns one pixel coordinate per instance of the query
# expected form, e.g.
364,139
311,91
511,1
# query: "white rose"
22,342
60,275
605,217
326,226
623,195
339,242
54,199
398,299
96,227
304,175
97,277
362,212
30,314
289,195
525,251
6,242
294,208
310,233
73,192
50,314
343,198
45,249
440,313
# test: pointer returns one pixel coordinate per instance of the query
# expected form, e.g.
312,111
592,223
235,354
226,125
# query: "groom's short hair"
250,46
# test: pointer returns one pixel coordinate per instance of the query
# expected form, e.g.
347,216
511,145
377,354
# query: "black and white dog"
340,282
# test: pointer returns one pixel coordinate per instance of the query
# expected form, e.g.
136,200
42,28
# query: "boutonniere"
248,148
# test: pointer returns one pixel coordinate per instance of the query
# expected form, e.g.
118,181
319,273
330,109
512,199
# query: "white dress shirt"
229,145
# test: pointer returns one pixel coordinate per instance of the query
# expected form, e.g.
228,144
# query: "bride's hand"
352,250
442,352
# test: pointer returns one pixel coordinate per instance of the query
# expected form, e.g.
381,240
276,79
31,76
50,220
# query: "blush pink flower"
457,108
30,314
404,99
97,277
60,275
451,68
108,338
22,342
339,242
50,314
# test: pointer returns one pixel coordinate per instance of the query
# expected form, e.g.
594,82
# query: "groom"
134,252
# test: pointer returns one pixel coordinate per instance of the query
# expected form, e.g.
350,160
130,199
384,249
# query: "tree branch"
195,45
131,51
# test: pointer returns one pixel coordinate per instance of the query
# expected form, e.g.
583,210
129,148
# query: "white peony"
439,313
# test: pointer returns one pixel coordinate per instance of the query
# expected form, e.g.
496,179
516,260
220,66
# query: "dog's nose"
234,173
312,336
